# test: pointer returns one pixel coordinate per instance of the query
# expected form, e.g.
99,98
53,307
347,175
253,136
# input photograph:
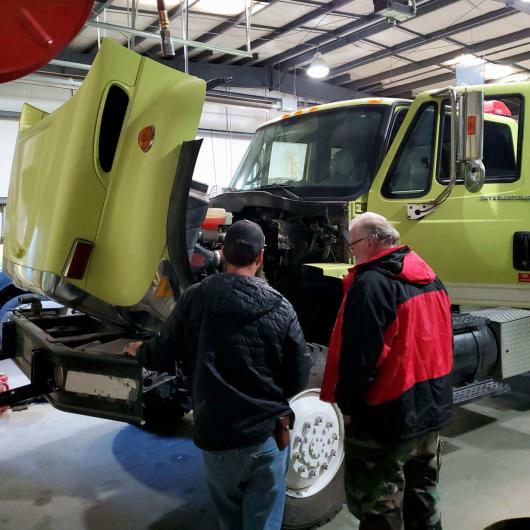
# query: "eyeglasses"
353,243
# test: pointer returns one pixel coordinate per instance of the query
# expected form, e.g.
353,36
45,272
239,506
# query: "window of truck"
410,174
325,153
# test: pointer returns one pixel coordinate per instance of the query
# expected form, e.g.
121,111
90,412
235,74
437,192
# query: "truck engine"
298,243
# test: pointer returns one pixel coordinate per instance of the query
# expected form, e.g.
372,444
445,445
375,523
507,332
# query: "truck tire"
315,488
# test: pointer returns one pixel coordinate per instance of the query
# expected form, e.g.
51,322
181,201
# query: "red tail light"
78,259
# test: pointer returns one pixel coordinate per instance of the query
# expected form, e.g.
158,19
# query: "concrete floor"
67,472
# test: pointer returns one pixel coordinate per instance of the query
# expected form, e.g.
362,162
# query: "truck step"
478,389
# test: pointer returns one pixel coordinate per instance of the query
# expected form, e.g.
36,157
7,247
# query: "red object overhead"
496,107
32,32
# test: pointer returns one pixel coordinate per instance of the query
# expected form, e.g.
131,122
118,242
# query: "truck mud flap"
91,383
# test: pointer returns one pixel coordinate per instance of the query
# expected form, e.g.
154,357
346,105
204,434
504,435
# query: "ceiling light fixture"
318,69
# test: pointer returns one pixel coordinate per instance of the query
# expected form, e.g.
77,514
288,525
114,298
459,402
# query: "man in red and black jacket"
388,370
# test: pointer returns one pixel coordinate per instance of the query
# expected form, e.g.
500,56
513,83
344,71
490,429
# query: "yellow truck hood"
80,174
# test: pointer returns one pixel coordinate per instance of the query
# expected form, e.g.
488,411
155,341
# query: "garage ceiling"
366,53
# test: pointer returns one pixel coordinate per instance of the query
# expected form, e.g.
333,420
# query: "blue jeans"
248,485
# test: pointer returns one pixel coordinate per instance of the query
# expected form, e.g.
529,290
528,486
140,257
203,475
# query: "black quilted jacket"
243,351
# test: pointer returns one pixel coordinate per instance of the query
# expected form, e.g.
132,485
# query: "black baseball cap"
245,233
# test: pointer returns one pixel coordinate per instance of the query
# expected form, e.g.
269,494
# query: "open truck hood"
90,191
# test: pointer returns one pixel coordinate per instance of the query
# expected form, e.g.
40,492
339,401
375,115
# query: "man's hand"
346,420
131,348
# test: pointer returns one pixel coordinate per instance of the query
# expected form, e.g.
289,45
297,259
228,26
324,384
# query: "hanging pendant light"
318,68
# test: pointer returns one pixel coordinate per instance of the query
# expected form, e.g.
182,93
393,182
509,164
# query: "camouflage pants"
393,488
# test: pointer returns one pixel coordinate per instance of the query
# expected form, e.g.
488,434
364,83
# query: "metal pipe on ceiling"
49,81
184,17
176,40
240,101
70,64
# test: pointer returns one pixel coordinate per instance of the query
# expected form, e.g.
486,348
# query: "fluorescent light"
466,59
496,71
226,7
318,68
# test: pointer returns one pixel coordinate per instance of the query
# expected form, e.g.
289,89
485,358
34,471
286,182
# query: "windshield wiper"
279,186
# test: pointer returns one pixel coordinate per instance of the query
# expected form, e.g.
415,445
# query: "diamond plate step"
473,391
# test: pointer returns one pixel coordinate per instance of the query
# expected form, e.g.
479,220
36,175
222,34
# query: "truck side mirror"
470,139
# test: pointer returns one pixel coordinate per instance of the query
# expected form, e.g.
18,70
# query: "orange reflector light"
78,259
285,116
298,112
146,138
471,125
375,101
312,109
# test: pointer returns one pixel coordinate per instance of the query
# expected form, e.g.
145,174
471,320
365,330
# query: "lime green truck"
104,217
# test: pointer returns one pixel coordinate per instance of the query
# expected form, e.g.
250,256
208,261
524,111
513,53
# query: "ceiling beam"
520,5
434,61
102,5
420,41
221,28
400,89
354,31
244,77
294,24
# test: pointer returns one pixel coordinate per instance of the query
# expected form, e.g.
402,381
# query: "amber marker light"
146,138
471,125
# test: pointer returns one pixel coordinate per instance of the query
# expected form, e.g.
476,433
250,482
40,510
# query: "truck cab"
470,239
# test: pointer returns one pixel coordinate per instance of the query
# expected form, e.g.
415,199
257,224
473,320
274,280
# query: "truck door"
469,239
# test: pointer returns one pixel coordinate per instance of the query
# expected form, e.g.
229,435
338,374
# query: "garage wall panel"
8,136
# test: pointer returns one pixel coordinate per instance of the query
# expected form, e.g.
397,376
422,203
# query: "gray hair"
376,227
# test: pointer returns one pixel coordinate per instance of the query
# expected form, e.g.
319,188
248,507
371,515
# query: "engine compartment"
305,233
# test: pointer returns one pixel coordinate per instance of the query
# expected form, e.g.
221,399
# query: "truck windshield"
331,153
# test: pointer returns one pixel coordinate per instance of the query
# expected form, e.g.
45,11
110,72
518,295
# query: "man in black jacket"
240,343
388,370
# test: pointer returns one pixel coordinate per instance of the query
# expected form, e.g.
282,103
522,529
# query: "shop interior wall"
226,129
